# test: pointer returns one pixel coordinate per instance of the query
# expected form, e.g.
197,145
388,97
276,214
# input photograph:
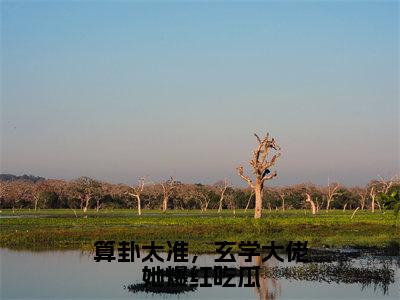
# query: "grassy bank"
61,229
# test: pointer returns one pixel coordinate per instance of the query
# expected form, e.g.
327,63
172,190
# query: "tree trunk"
221,199
373,204
313,208
352,215
139,206
98,205
258,204
87,200
248,202
247,205
165,204
379,205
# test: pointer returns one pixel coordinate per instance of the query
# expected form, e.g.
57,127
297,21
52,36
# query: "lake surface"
75,275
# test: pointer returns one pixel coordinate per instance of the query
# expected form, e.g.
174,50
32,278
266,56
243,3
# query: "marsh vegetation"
62,229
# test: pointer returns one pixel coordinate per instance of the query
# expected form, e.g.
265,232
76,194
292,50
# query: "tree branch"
270,176
241,174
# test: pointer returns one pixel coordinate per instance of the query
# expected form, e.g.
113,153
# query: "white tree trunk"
313,208
258,204
139,206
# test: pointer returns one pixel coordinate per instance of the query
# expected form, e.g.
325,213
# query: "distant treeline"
10,177
34,192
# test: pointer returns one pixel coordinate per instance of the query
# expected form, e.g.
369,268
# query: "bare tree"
362,193
36,197
317,204
153,196
283,192
221,186
185,196
168,188
41,188
387,184
331,192
261,169
137,192
86,189
313,207
231,202
372,194
379,186
202,196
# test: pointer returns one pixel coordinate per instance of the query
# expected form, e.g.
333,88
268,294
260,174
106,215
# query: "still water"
75,275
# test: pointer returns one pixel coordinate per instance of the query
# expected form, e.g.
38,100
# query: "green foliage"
391,201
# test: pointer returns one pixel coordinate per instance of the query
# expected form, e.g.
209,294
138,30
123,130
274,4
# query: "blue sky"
117,90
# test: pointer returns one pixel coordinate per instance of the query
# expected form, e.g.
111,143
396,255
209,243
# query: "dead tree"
261,169
222,187
313,207
362,194
331,192
386,185
231,202
86,189
376,187
282,195
137,192
317,204
168,188
202,196
372,194
204,200
363,198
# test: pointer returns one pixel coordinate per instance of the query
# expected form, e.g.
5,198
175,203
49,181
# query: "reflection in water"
75,275
163,289
377,273
269,288
380,277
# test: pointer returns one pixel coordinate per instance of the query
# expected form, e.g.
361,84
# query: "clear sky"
117,90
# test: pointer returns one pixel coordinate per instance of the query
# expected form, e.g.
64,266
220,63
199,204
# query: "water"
75,275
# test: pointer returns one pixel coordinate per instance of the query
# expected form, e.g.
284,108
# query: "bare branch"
258,138
241,174
261,165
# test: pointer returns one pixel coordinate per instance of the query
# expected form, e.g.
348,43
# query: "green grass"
60,229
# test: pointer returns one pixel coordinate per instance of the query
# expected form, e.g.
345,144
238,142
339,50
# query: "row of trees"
86,193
